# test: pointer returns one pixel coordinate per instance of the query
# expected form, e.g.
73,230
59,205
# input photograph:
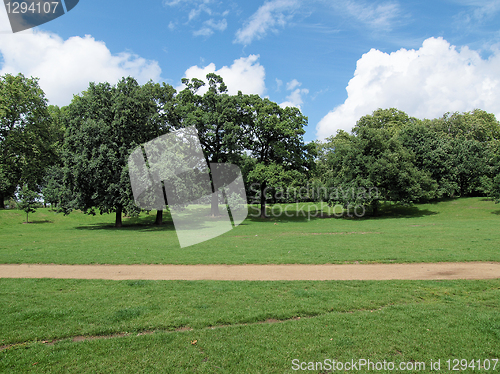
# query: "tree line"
76,156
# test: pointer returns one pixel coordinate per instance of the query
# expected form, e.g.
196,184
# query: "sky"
335,60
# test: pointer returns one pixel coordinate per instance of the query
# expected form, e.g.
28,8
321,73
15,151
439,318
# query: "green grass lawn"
242,327
456,230
95,326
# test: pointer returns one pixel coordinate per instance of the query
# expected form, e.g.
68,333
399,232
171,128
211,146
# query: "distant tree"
456,150
25,143
106,123
433,154
27,201
53,190
371,165
494,187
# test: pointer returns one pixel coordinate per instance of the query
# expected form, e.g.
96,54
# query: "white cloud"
295,97
209,27
279,83
245,75
65,67
292,84
377,16
269,15
425,83
195,12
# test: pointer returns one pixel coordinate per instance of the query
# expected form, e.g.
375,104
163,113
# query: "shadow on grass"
146,223
497,212
385,211
37,222
301,215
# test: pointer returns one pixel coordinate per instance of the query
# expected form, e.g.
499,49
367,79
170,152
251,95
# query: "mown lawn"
455,230
96,326
242,327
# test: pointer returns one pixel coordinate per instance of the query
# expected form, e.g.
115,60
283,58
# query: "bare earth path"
417,271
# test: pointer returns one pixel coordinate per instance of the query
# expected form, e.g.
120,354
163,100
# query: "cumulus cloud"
65,67
425,83
295,97
245,75
272,13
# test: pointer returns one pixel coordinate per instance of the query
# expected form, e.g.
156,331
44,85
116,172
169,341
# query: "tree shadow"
385,211
146,223
496,212
38,222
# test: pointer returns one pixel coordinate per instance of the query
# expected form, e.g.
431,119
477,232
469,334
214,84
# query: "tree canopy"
105,124
26,145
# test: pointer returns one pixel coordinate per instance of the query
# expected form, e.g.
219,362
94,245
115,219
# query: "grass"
454,230
234,325
97,326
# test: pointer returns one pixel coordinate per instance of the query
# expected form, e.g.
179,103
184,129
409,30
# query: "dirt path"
466,270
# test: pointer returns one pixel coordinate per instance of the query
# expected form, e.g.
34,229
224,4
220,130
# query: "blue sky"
336,60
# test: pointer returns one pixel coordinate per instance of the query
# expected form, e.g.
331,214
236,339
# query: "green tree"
434,154
371,165
105,124
53,190
456,150
276,142
218,119
27,200
25,141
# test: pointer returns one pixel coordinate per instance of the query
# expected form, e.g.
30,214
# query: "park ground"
214,326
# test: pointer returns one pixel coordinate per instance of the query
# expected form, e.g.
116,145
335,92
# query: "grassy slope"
456,230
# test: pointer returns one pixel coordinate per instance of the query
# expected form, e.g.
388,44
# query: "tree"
218,120
371,165
433,154
53,190
456,150
276,142
106,123
25,144
27,200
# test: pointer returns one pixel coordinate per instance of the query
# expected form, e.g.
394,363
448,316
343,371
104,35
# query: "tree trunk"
2,204
263,200
118,221
159,217
375,208
215,204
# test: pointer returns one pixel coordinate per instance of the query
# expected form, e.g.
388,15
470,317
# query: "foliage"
26,146
53,189
457,150
282,160
105,124
218,121
372,165
27,200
